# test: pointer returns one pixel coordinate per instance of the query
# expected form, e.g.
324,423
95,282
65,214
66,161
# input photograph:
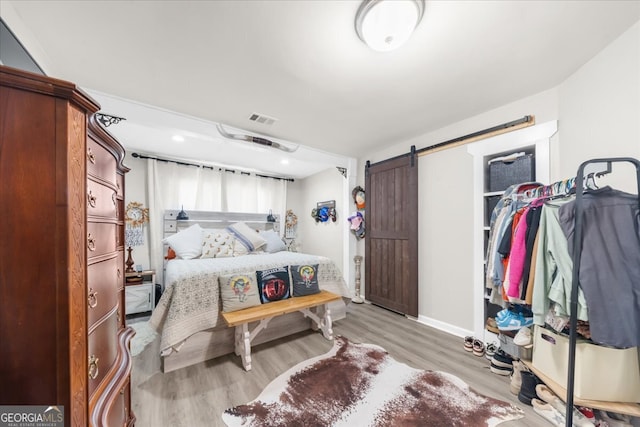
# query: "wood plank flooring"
197,395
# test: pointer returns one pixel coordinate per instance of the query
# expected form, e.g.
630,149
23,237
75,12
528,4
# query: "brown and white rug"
361,385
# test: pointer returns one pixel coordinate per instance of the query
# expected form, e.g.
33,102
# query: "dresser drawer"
104,280
101,200
101,238
103,348
100,162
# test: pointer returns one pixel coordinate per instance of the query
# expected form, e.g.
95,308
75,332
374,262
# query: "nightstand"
140,291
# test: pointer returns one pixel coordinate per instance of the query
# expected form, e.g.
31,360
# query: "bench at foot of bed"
264,313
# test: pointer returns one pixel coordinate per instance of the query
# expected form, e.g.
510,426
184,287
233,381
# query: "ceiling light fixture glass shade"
386,25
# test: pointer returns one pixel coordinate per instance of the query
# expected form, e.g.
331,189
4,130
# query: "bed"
188,316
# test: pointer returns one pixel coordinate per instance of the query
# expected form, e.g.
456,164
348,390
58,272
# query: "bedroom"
594,100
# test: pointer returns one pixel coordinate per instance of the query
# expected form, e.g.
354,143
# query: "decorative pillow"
171,254
239,291
186,243
304,279
246,236
239,249
216,243
274,242
274,284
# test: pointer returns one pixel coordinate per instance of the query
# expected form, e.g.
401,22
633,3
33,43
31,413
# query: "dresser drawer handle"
93,367
119,274
91,156
92,298
118,316
91,243
113,198
91,199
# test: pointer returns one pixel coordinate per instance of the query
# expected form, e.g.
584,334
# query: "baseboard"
445,327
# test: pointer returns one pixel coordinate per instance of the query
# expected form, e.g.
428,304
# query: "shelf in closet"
632,409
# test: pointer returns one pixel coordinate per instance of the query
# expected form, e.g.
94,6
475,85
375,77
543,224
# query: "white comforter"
191,299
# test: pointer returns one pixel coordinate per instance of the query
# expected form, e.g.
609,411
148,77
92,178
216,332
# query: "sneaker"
478,348
516,377
490,350
548,412
523,338
500,370
468,343
514,322
502,359
502,314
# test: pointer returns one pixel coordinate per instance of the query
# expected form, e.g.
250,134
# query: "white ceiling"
302,63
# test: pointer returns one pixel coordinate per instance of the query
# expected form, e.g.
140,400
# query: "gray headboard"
210,219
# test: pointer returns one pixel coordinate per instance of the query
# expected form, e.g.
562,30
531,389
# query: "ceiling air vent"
261,118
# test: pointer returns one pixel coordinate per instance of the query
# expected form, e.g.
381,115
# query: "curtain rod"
180,162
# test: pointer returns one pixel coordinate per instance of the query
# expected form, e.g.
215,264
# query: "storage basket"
503,174
601,373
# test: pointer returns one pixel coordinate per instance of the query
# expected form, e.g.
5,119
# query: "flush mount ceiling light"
255,139
386,25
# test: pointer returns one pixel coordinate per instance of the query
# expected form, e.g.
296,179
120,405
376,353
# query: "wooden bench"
265,312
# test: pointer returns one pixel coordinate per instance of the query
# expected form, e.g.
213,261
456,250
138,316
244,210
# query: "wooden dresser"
63,339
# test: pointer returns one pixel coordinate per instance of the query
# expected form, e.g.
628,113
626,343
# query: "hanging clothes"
610,263
554,268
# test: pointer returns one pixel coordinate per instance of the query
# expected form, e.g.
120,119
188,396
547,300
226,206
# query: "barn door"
391,242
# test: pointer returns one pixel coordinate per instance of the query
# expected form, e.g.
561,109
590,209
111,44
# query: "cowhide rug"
361,385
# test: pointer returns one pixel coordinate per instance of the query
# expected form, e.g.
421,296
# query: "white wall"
135,190
598,109
320,238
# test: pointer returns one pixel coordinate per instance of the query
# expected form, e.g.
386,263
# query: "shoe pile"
554,410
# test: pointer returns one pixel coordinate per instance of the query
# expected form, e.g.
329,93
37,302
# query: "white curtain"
173,186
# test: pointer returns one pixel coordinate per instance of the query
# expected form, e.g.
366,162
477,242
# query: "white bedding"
191,299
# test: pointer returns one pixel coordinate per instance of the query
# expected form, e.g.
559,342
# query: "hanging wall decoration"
358,197
290,225
356,221
324,211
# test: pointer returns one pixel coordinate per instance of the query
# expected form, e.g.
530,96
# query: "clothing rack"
561,188
577,252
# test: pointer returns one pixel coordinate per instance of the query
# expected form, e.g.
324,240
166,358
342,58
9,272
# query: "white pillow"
216,243
274,242
186,243
246,236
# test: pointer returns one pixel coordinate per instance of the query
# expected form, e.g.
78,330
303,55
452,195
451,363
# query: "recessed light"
178,138
284,161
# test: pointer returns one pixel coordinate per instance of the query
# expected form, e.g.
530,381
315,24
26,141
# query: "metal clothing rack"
577,253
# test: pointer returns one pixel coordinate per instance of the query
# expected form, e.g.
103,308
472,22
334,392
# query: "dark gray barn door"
391,242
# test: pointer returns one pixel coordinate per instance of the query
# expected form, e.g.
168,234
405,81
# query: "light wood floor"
196,396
